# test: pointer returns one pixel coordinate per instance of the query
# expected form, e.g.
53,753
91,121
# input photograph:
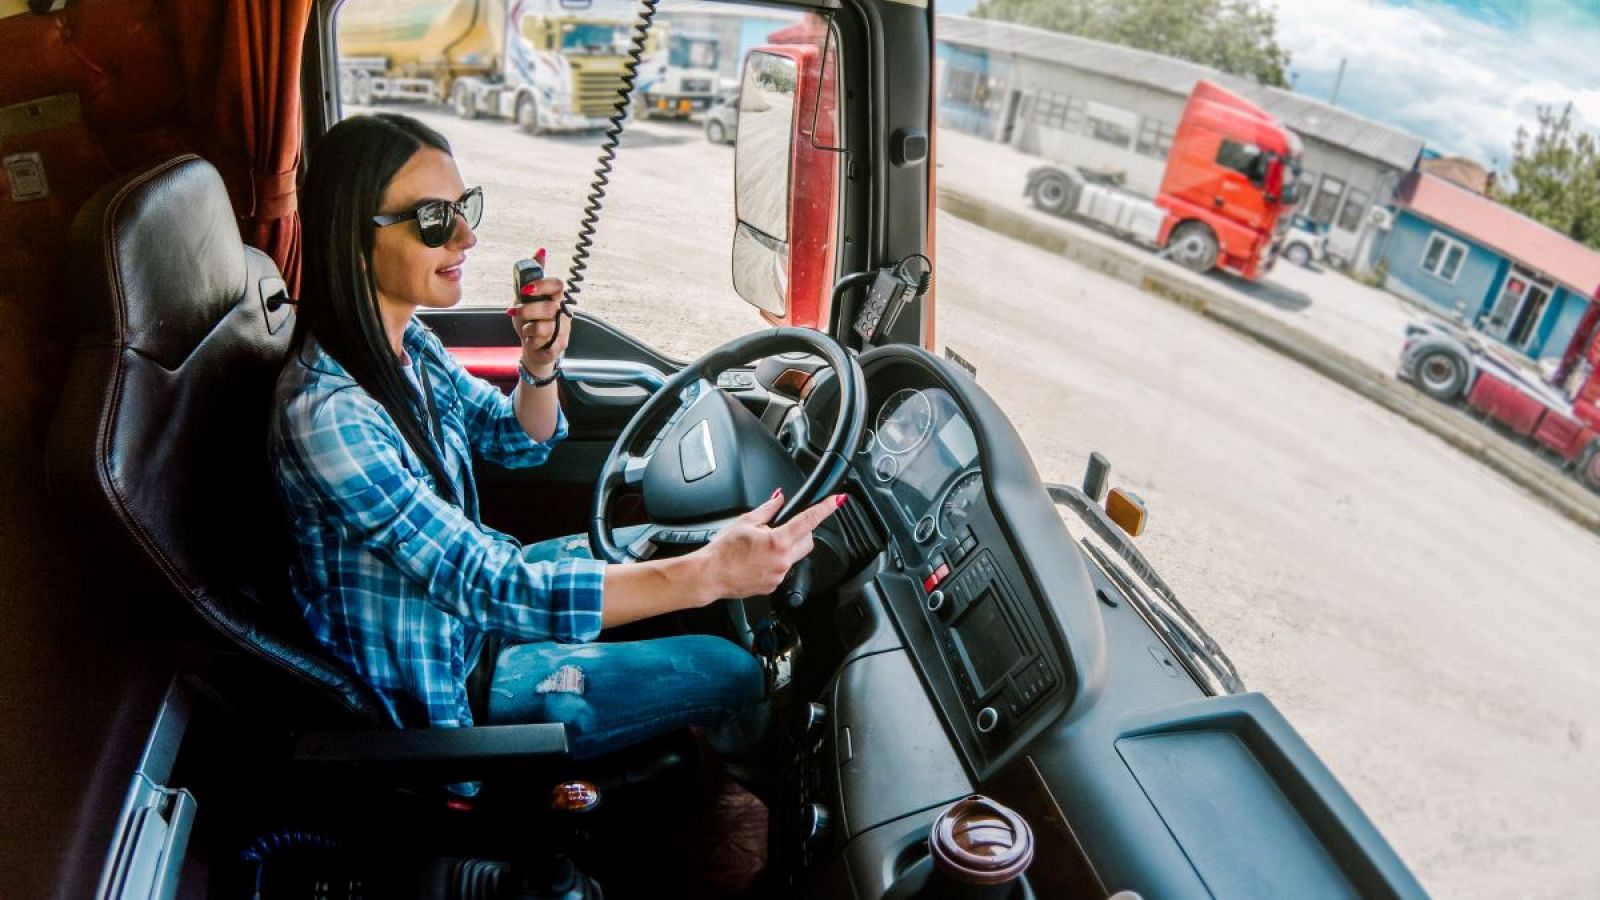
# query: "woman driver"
374,440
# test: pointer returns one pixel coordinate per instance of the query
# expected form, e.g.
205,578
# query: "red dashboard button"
933,580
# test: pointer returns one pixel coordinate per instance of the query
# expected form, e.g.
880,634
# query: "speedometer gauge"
905,421
959,501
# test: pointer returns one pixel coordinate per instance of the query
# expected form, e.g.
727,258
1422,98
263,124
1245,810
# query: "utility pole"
1337,83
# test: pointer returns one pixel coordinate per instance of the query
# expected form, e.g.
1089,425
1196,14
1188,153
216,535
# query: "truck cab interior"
962,631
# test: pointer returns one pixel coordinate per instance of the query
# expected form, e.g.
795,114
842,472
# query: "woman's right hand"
750,558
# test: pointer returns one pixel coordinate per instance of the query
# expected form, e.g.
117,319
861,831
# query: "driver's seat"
159,446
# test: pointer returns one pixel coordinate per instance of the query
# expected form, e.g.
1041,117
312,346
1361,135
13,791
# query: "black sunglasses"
436,219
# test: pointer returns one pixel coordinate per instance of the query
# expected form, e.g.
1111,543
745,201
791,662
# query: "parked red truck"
1561,414
1226,197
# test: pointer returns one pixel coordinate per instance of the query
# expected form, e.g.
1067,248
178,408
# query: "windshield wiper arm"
1201,655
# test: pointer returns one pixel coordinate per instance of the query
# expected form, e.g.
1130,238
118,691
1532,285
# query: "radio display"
987,642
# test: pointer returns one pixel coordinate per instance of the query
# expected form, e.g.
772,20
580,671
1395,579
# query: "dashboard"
984,650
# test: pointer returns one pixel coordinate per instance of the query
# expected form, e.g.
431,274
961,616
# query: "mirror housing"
786,166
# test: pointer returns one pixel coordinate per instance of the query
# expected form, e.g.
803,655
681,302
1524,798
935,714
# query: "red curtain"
257,104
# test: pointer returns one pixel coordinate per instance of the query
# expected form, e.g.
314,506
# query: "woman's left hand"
536,322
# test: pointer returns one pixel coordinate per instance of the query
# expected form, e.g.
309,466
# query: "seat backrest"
159,444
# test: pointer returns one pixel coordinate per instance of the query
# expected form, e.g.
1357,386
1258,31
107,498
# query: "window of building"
1326,202
1155,138
1050,109
1246,159
958,85
1355,205
1443,257
1110,124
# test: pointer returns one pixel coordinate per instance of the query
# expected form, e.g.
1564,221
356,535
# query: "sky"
1460,74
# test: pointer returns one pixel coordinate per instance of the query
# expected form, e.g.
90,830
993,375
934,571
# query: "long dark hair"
350,169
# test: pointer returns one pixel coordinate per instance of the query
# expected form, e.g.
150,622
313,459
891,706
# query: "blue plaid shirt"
396,581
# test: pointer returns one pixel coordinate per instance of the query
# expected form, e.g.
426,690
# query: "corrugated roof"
1307,117
1502,230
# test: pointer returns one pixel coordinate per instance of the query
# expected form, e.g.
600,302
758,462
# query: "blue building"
1488,266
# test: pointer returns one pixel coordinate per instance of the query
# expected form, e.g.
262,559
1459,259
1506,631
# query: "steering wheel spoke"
633,468
696,454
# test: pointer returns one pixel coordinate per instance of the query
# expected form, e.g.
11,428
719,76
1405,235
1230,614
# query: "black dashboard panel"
986,651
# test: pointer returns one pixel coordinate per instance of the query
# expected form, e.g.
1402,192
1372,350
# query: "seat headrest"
173,259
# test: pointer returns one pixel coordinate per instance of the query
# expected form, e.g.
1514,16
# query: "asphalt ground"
1427,625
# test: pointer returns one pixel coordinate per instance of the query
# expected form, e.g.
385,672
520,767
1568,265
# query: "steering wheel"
700,458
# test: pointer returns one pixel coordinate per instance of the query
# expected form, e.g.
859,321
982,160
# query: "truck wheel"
1298,254
461,99
1194,246
1588,470
1441,374
1052,193
528,115
715,133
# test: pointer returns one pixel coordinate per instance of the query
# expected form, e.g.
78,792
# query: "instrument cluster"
923,452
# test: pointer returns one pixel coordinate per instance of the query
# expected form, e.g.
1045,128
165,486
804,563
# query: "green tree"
1236,36
1555,173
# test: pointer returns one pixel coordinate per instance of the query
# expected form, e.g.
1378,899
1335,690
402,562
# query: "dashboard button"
924,530
987,720
886,468
937,604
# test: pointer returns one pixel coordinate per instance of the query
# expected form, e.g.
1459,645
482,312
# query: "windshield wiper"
1158,605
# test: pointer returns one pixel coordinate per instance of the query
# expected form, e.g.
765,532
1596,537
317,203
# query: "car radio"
989,645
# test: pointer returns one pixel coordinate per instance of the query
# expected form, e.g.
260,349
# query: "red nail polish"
839,499
776,494
512,312
528,291
538,257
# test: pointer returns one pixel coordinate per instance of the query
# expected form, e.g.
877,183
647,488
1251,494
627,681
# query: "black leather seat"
159,447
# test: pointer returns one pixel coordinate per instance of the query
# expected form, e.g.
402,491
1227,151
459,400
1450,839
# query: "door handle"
613,372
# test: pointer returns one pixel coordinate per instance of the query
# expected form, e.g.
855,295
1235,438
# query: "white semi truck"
548,65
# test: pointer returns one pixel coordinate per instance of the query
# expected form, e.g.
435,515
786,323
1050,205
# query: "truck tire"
528,115
1441,374
1194,246
1053,194
715,132
1588,470
1299,254
461,100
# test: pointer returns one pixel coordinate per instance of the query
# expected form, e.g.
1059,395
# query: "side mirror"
1274,180
785,184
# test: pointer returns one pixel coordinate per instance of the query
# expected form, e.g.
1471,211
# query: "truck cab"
1230,181
992,692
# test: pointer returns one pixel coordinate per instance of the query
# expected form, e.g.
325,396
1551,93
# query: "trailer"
1560,414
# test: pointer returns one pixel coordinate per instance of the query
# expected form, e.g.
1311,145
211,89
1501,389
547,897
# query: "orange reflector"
683,106
1127,510
574,796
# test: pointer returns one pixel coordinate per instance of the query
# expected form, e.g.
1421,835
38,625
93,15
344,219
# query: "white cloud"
1462,85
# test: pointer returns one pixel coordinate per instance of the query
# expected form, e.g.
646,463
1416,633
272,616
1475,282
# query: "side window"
525,104
1246,159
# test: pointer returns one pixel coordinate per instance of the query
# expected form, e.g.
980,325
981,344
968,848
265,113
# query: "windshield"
594,37
691,53
1390,529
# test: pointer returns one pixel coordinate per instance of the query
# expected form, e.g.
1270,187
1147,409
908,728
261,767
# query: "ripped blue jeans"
611,695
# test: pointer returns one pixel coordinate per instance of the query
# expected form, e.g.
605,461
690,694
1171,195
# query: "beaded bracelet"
531,380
